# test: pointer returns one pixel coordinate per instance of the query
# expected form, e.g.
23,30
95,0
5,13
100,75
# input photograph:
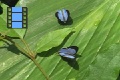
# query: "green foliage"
106,65
1,43
52,39
96,33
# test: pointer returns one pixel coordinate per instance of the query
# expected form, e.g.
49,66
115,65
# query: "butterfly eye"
62,15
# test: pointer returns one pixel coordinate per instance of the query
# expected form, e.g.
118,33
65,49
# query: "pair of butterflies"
69,52
62,15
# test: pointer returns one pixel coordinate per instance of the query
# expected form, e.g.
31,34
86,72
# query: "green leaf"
97,30
1,43
106,65
52,39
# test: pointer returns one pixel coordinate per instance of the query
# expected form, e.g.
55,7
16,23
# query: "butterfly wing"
68,53
74,47
71,51
60,15
63,50
65,15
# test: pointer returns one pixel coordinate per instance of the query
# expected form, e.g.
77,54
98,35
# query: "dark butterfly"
62,15
1,10
10,3
68,52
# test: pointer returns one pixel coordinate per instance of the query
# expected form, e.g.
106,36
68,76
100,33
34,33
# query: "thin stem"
40,68
27,53
19,47
33,59
26,45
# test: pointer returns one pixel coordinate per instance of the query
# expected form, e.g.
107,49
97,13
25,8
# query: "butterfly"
1,10
68,52
10,3
62,15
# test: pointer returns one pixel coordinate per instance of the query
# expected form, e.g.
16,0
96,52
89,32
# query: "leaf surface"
52,39
96,32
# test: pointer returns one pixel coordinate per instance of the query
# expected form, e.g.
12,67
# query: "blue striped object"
17,9
62,15
17,17
68,52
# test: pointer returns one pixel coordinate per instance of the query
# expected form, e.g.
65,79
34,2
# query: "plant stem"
33,59
27,53
26,46
19,47
40,68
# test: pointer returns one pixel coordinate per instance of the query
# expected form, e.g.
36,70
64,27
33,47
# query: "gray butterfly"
68,52
62,15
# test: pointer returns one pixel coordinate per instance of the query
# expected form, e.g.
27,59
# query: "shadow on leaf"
12,48
118,77
54,49
71,62
69,22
